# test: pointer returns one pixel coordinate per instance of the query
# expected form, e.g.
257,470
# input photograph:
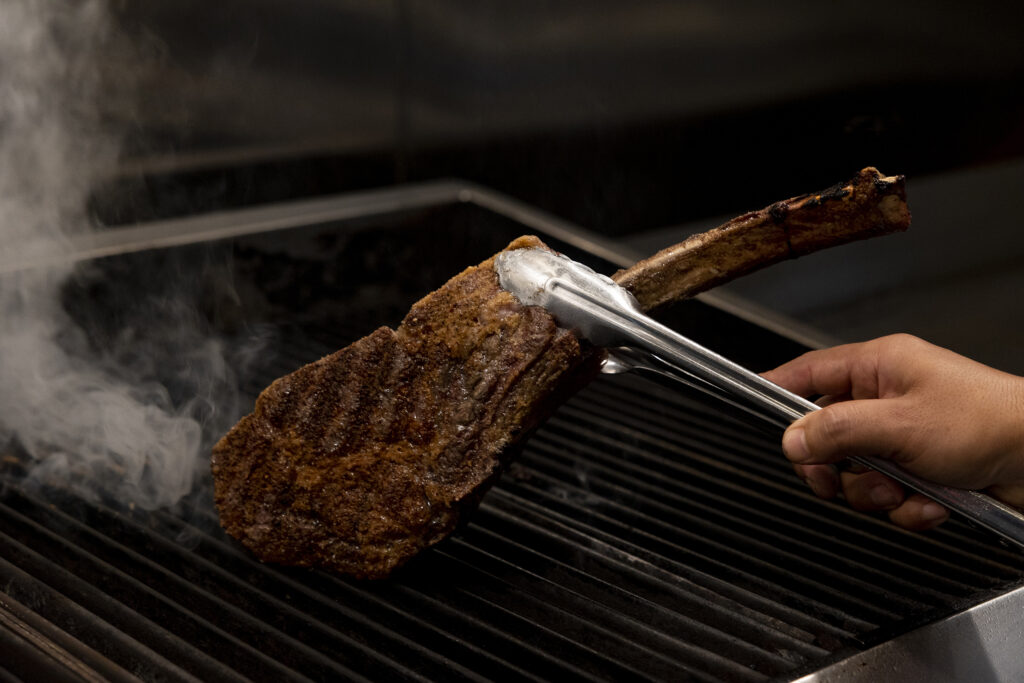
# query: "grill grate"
605,553
643,534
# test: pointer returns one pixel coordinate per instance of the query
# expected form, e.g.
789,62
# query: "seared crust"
360,460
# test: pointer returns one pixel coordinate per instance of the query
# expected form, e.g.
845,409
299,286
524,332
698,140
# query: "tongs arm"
608,316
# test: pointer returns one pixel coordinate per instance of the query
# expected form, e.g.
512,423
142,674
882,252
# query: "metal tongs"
608,316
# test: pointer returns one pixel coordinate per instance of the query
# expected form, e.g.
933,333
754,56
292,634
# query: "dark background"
643,121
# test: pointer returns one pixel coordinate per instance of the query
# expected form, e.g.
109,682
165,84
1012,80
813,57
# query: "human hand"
938,414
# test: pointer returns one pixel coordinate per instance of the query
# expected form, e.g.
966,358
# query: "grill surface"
643,534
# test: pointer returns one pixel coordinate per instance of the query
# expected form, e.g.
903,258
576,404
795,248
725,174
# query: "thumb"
841,430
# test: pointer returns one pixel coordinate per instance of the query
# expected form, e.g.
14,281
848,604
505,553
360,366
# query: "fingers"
918,513
1009,494
850,428
874,492
871,491
823,479
873,407
827,371
860,370
864,490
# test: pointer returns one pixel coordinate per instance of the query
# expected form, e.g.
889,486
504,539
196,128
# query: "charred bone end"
867,206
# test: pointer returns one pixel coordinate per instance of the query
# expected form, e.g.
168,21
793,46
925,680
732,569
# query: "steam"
126,409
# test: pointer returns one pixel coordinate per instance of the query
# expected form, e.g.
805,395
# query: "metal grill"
642,535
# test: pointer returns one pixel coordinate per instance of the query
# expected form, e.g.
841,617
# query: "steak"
359,461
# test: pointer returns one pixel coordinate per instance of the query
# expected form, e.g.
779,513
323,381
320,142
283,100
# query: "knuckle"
903,339
899,343
833,429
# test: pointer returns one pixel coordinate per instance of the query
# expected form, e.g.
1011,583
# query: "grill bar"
683,644
257,607
639,402
33,648
468,611
102,625
608,638
673,558
671,615
446,669
403,605
682,538
330,599
683,583
695,506
101,562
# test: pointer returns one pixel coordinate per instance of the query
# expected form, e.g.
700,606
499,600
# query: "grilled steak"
362,459
365,457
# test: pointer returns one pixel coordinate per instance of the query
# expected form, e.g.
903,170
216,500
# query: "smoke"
126,406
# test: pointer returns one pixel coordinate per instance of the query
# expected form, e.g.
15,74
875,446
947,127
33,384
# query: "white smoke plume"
81,409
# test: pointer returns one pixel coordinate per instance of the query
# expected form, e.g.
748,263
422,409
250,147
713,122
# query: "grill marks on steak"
362,459
358,461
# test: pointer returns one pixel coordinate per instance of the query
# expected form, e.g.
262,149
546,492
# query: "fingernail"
883,496
931,512
794,445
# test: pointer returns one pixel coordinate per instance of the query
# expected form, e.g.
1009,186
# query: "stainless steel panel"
982,645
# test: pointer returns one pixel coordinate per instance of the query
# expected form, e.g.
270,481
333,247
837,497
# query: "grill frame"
488,599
